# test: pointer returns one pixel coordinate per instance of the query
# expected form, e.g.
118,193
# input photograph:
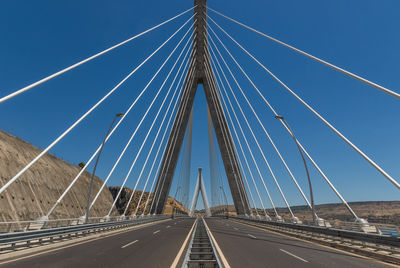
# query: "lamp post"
314,215
95,166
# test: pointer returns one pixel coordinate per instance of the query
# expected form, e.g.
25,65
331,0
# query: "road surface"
248,246
158,245
152,246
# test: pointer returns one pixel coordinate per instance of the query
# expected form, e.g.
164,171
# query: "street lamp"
95,166
282,119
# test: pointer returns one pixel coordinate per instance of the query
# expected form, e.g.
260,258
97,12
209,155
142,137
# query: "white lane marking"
131,243
138,227
291,254
252,236
156,231
219,251
301,240
168,226
178,257
236,229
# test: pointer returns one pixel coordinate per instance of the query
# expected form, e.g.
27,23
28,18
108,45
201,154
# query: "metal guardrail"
13,240
22,226
374,240
367,227
379,228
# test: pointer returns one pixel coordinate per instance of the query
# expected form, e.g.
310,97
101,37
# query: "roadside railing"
29,237
378,228
344,232
23,226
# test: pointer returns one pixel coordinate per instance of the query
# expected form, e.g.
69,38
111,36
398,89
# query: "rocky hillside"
126,194
35,192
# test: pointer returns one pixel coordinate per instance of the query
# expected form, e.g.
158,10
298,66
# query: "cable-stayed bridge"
246,227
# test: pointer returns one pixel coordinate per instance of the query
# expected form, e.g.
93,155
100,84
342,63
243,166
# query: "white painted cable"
111,132
189,78
159,128
164,135
141,121
160,183
162,178
337,132
241,166
24,89
275,113
241,148
251,154
220,116
352,75
259,121
173,96
256,141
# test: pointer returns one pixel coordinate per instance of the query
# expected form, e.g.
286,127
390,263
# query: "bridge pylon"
200,188
200,72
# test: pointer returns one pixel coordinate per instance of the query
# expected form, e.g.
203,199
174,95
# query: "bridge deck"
158,245
247,246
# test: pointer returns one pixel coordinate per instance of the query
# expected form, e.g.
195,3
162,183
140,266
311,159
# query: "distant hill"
126,194
374,211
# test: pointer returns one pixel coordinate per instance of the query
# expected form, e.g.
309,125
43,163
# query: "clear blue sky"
41,37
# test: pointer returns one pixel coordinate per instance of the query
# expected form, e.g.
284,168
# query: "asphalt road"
247,246
157,246
152,246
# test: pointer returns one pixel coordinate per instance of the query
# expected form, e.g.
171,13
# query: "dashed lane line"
252,236
156,231
102,236
291,254
131,243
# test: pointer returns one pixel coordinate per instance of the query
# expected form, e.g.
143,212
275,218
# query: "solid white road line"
252,236
168,226
156,231
291,254
312,243
131,243
219,251
177,258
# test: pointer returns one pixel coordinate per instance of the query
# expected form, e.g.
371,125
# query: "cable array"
226,114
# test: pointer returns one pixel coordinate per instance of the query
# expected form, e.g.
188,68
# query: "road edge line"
219,251
71,243
179,255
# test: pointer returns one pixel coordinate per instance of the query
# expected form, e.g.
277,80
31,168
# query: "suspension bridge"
76,221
